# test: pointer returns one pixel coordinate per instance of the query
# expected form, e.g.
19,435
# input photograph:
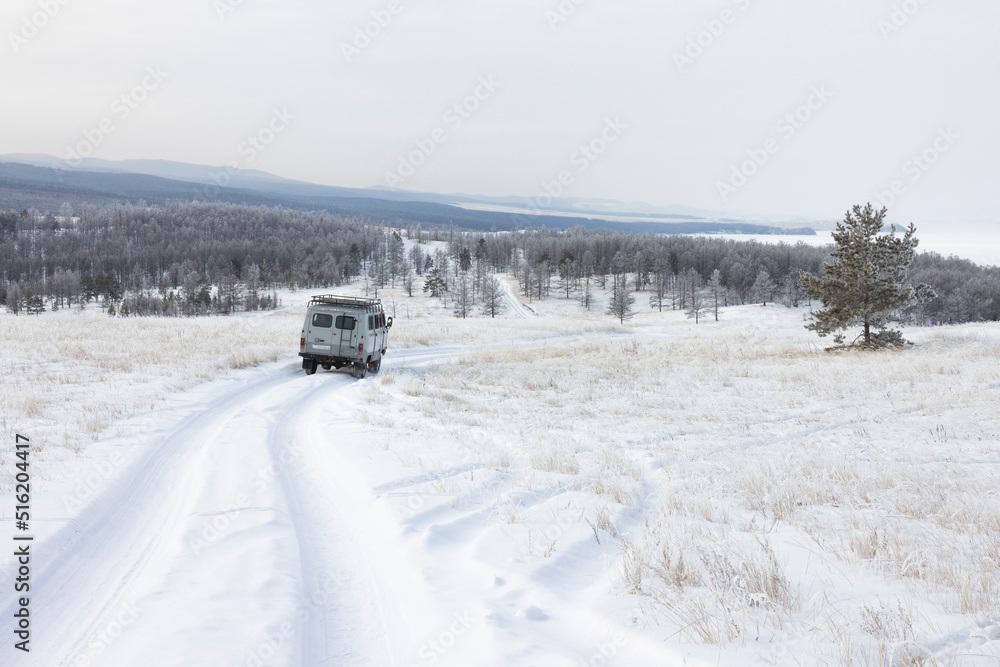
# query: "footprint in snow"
533,613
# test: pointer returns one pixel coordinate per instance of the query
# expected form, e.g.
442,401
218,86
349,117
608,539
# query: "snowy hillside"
546,488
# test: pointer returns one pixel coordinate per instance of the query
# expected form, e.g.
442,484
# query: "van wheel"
310,367
375,365
360,370
326,367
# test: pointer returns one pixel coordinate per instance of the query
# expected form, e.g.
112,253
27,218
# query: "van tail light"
361,348
302,343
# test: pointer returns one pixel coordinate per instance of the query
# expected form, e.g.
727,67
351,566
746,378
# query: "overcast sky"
666,119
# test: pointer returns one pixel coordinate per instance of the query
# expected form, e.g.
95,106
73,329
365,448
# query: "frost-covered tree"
865,283
463,297
34,305
15,298
408,281
493,293
697,303
715,286
763,288
568,277
661,285
586,294
790,292
622,303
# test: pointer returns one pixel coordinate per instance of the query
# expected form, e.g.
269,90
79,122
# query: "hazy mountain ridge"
102,182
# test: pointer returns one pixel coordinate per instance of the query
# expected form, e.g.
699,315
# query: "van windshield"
345,322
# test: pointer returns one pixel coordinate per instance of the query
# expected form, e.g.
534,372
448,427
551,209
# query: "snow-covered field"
545,488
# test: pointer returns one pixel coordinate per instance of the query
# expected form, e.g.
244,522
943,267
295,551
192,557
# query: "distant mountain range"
45,183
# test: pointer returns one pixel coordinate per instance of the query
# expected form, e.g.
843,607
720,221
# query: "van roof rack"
351,301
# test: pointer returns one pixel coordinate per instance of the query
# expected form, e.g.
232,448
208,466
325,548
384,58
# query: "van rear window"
322,320
346,322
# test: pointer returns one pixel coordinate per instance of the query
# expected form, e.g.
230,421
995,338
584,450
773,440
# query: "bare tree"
586,294
15,298
493,296
462,294
622,302
661,286
715,285
696,295
408,281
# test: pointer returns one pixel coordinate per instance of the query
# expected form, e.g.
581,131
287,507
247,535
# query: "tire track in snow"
85,571
516,306
314,521
339,531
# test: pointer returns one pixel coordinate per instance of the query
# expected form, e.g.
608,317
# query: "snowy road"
490,503
517,308
241,537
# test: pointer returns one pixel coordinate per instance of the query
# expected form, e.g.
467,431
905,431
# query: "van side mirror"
388,323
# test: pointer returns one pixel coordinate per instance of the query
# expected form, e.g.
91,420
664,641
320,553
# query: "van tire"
310,367
326,367
373,366
360,370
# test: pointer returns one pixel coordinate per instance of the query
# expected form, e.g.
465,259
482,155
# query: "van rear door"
346,331
319,333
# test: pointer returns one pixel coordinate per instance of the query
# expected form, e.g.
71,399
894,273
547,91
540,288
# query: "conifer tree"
864,283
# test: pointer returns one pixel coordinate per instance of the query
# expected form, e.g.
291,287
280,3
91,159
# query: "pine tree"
864,284
434,283
34,305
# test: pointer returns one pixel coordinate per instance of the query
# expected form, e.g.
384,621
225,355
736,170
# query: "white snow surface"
548,488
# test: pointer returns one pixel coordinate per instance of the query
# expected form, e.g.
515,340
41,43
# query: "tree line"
190,258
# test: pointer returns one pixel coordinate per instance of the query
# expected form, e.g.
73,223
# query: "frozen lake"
979,242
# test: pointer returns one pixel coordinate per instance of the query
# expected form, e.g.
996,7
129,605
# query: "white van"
344,331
